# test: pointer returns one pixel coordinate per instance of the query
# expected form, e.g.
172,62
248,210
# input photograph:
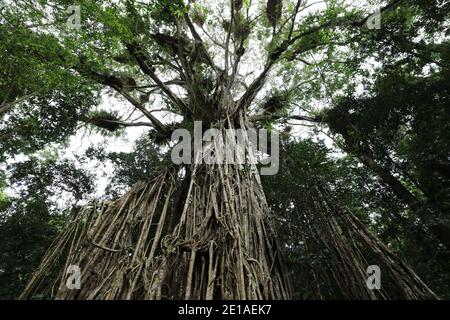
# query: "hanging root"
208,239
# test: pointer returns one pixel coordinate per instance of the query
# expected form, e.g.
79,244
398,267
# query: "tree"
194,231
31,219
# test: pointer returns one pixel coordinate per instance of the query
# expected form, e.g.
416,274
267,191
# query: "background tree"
31,218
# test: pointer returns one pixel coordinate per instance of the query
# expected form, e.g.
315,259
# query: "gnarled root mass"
207,240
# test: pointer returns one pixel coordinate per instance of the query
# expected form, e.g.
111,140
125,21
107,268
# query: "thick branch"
126,124
201,44
274,56
254,88
142,60
114,83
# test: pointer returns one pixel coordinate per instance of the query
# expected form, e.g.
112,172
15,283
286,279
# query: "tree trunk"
220,244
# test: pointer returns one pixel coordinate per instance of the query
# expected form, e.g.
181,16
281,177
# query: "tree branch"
126,124
267,117
7,106
142,60
112,82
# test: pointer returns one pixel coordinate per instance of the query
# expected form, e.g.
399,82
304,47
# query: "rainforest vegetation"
91,92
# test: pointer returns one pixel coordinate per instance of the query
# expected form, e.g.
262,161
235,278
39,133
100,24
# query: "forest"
347,102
